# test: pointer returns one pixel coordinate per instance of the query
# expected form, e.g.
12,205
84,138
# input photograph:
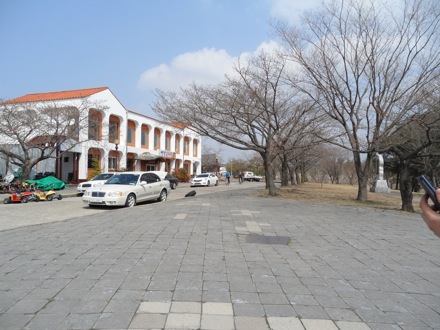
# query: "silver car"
128,189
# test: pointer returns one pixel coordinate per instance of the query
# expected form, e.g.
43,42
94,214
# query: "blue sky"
130,46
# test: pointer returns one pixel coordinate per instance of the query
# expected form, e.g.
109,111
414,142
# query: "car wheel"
7,200
60,197
173,185
24,199
37,199
162,196
208,184
49,198
131,200
216,183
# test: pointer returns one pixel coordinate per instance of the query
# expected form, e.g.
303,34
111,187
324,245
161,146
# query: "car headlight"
114,194
86,193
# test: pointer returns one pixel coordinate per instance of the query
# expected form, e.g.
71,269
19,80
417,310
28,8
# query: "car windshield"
104,176
124,178
202,175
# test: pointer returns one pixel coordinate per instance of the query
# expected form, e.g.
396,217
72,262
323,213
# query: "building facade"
117,139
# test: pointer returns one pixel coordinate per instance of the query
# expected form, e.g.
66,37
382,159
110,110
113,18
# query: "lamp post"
231,167
116,142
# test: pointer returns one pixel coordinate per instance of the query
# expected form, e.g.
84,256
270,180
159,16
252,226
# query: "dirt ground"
345,195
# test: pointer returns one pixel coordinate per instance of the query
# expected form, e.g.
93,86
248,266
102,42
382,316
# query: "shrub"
181,174
96,169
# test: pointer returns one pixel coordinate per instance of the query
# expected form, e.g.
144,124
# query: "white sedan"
128,189
96,181
204,179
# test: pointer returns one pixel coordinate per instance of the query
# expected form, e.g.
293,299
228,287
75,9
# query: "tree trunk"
362,174
27,168
406,188
270,184
284,171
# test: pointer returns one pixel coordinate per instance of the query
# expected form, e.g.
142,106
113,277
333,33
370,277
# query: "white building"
118,138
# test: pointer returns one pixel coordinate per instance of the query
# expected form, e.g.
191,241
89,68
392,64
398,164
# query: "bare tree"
364,65
252,111
33,132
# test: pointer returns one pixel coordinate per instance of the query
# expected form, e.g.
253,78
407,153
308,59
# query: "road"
17,215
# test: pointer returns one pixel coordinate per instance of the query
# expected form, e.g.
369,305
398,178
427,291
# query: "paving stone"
116,320
285,323
318,324
183,321
154,307
217,308
344,325
148,321
254,323
217,322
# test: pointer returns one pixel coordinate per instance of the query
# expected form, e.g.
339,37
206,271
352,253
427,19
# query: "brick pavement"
229,260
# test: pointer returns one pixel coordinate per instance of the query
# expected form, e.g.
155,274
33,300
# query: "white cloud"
206,66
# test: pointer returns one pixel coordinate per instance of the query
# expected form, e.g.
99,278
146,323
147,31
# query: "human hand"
430,214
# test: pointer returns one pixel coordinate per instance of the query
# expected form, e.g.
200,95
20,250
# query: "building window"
94,122
130,134
73,130
186,146
144,136
168,141
195,148
112,163
113,129
177,144
156,138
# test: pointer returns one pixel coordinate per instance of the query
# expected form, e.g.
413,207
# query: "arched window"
144,136
186,146
131,133
177,144
168,141
114,126
195,145
156,138
95,125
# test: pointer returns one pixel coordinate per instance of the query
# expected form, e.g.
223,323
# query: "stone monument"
380,185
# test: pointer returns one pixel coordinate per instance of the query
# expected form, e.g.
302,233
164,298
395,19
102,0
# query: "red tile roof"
52,96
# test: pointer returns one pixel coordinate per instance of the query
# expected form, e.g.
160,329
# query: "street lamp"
231,167
116,142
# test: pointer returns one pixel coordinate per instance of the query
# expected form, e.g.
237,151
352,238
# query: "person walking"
240,177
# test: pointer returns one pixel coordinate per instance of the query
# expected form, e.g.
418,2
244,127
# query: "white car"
128,189
204,179
96,181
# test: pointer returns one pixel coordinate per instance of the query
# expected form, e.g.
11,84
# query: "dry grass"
344,195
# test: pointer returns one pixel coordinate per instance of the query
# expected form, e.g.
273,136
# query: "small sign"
166,153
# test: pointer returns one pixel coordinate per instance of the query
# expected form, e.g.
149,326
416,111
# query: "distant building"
118,138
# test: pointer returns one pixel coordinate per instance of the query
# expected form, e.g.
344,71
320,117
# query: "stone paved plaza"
227,260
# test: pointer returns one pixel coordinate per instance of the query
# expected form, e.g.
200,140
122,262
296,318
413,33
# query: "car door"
145,188
153,185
